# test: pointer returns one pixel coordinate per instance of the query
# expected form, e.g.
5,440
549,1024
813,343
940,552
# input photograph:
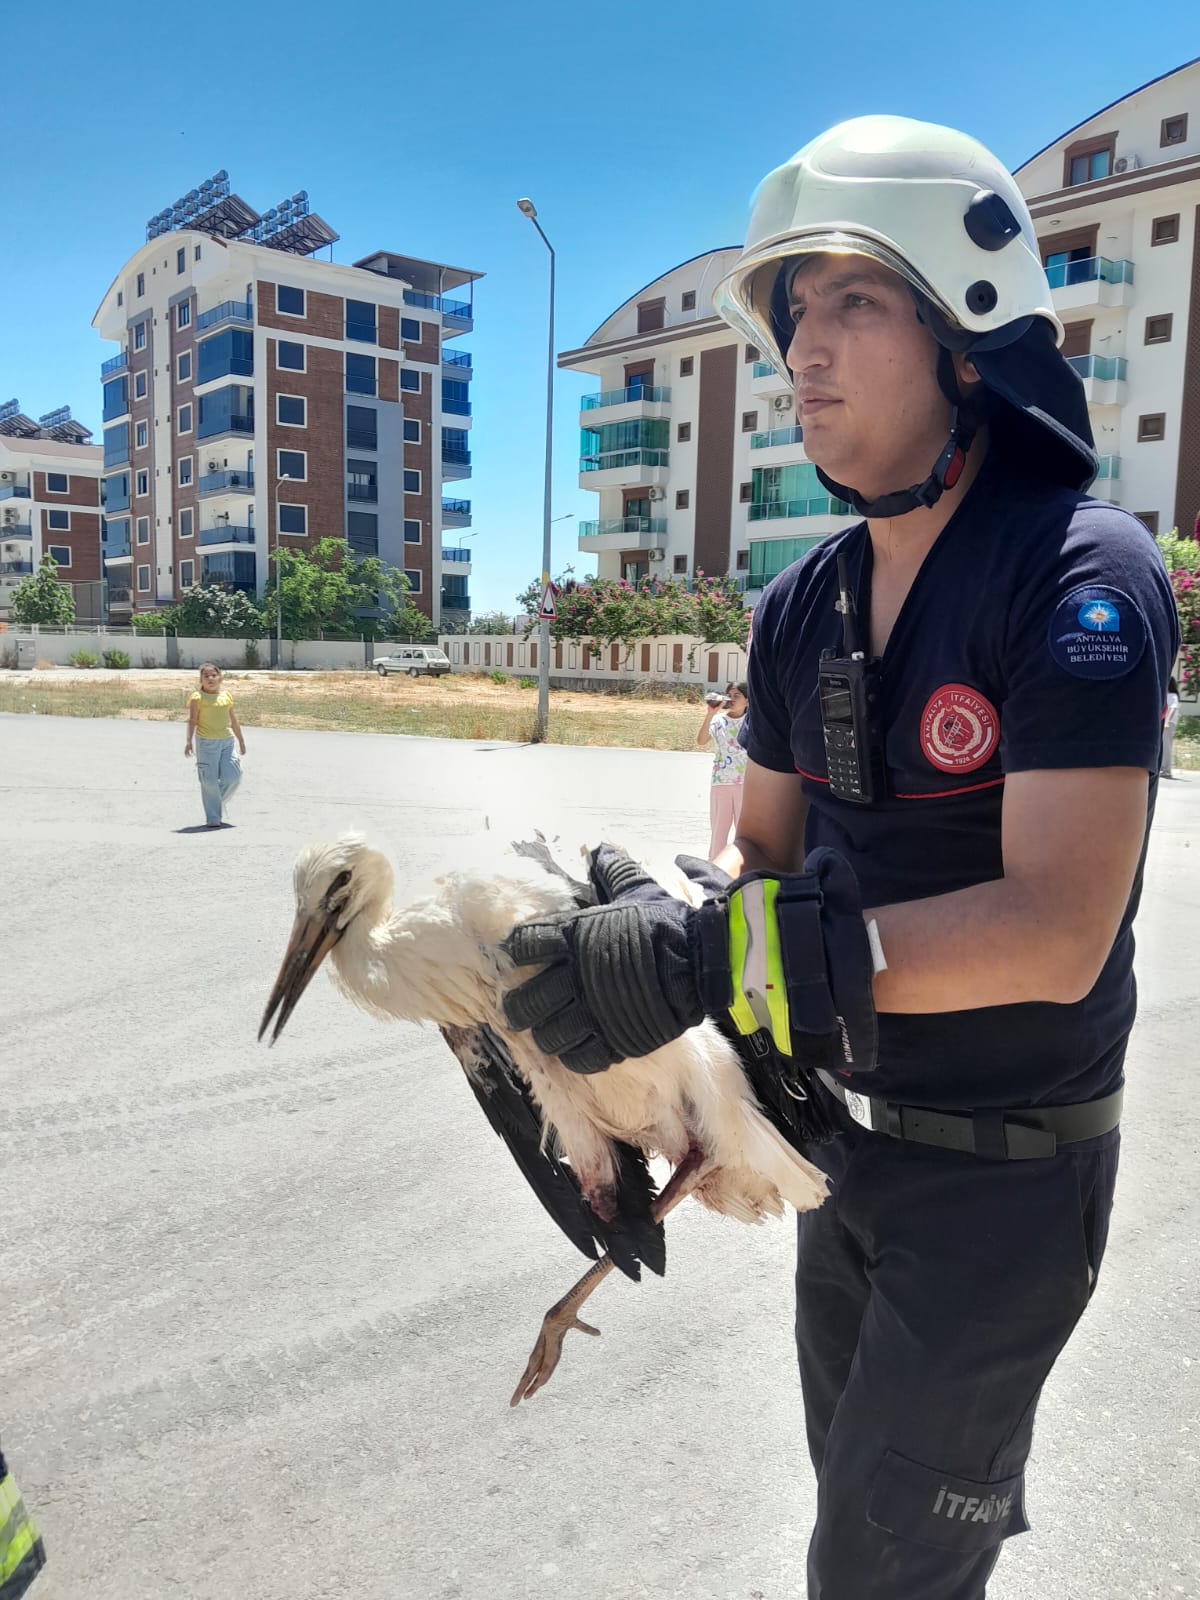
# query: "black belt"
1020,1135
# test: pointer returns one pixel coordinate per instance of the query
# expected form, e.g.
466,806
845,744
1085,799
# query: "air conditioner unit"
1127,163
214,466
656,555
10,516
658,494
7,477
781,402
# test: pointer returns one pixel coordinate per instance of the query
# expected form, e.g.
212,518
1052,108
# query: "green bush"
150,621
84,658
116,658
251,653
528,683
498,677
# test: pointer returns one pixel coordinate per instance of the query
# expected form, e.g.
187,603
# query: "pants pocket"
939,1508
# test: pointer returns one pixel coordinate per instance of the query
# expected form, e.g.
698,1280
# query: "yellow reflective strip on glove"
756,964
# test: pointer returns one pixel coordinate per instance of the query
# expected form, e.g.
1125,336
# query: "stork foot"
539,1369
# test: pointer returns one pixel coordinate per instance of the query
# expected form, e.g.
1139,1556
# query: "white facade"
30,507
683,417
1115,202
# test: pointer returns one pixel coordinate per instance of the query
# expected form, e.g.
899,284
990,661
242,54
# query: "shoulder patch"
1097,632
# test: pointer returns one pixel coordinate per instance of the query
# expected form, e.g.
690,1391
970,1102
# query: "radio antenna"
845,604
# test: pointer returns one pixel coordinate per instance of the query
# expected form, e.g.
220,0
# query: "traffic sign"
548,611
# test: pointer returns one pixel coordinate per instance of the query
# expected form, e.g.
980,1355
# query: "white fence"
674,659
27,646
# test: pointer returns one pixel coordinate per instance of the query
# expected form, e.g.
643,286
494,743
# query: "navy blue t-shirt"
1038,633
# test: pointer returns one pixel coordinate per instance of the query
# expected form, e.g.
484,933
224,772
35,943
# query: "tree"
42,598
329,590
208,610
614,611
1183,563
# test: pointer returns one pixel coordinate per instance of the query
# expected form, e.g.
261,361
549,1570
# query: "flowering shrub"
614,611
1183,562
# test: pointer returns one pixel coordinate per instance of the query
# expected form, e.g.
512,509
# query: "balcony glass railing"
1110,467
1062,274
768,557
459,310
1105,368
233,422
227,311
117,549
763,369
14,491
456,408
457,552
15,569
360,383
227,533
624,397
114,364
597,530
776,436
456,508
625,458
820,506
218,482
457,358
362,331
454,457
362,491
16,530
362,438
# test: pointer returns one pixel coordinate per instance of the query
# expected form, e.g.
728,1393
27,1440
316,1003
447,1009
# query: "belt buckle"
861,1109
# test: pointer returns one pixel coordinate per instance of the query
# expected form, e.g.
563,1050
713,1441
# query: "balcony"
624,469
226,533
1096,281
456,513
237,311
820,506
362,438
362,491
120,596
456,463
1103,378
16,569
456,364
623,533
118,550
457,314
1110,467
458,553
768,557
234,422
18,530
624,405
765,380
14,491
114,364
776,436
241,482
456,408
456,606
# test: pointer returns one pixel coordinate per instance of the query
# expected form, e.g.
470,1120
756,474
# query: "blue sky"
640,132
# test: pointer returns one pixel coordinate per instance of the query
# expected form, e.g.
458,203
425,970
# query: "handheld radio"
848,687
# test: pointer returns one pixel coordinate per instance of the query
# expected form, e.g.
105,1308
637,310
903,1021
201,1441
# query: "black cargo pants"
934,1293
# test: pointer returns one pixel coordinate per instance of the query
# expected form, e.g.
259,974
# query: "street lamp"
285,478
527,209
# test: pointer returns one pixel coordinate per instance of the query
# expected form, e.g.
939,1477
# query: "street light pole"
528,209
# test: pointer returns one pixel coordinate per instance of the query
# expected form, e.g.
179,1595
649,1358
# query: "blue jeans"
220,772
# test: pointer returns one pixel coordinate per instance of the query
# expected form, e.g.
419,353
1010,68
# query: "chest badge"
959,729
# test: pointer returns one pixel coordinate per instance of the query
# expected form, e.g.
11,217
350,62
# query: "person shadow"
203,827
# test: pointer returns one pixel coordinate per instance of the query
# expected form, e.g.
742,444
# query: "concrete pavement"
263,1311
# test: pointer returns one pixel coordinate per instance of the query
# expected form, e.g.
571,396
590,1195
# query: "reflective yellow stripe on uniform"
756,964
17,1532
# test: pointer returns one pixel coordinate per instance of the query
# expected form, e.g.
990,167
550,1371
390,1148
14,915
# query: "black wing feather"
634,1236
537,849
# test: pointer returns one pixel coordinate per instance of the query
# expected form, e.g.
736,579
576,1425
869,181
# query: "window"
292,464
57,483
116,448
58,521
360,320
143,530
289,301
293,519
412,482
683,499
412,530
120,297
1150,518
742,561
143,482
140,385
412,430
60,553
289,356
1089,160
183,313
183,471
414,580
291,410
361,428
679,565
184,419
1152,427
360,373
180,259
1158,329
749,421
363,484
683,432
197,256
227,354
116,398
185,367
187,522
139,334
751,353
143,580
1174,130
687,300
651,315
362,532
141,436
186,569
141,283
687,366
1165,230
410,330
410,379
745,493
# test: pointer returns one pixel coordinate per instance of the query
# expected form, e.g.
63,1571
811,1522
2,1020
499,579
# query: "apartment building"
261,397
50,480
1116,204
691,444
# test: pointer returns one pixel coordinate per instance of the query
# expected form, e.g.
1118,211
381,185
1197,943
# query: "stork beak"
311,941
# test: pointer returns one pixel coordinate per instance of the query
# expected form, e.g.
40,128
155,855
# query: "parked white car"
416,660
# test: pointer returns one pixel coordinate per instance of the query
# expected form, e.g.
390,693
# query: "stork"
582,1141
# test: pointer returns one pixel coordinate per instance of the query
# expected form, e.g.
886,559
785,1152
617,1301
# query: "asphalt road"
262,1312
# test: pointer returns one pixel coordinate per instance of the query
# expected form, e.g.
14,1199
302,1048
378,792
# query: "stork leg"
563,1316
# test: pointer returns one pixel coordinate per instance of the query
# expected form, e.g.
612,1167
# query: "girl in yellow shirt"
212,726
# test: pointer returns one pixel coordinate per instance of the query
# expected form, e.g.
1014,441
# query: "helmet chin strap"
965,417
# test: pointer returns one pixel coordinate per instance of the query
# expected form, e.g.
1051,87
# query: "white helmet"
931,204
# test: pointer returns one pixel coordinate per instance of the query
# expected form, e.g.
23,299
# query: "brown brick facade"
429,351
323,492
325,314
80,491
420,458
388,331
151,505
82,539
185,497
389,379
